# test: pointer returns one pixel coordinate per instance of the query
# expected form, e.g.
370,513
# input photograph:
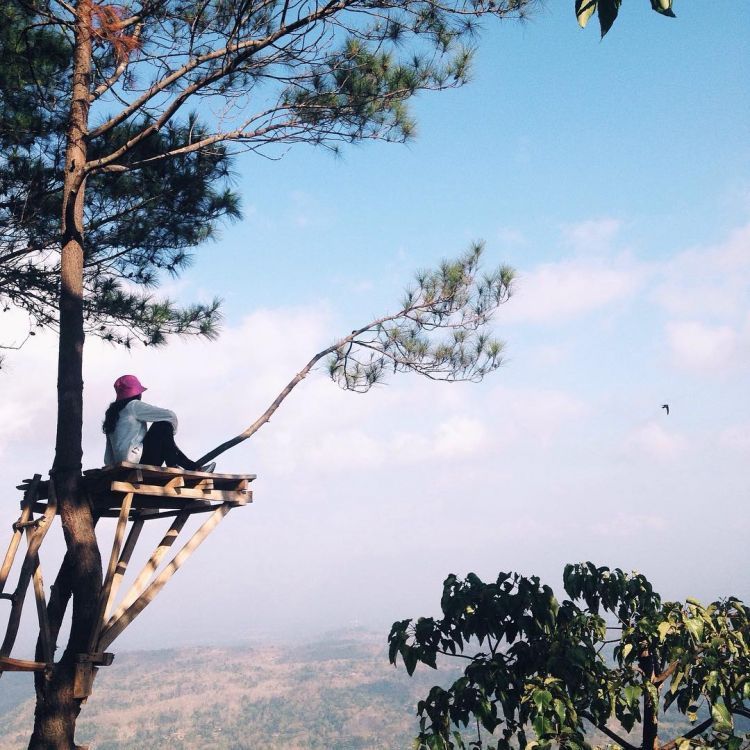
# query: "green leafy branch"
440,331
538,672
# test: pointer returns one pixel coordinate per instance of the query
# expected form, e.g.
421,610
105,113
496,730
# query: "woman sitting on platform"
129,439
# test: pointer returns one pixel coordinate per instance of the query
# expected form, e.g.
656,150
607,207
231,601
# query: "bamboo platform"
154,488
133,494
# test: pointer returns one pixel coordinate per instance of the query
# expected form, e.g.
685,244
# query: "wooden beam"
175,483
27,570
106,592
153,563
147,470
224,496
122,565
29,497
22,665
194,507
83,680
120,623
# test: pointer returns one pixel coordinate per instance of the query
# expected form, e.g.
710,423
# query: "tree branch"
694,732
612,735
298,378
235,54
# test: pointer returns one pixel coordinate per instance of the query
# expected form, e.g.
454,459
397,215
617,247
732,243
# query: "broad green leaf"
695,626
632,694
677,678
664,7
559,707
664,628
626,649
722,718
410,661
584,10
607,11
542,698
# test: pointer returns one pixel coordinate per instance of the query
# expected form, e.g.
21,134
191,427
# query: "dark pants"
159,447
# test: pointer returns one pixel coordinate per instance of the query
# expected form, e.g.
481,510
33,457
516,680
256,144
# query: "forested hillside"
334,694
340,694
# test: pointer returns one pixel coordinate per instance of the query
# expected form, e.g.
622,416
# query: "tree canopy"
441,331
138,223
118,126
613,656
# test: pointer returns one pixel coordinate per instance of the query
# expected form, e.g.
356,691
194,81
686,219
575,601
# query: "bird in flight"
665,406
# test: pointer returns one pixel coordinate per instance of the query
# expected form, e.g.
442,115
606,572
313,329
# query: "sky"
613,175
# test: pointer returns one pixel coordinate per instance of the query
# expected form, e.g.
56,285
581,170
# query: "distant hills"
337,694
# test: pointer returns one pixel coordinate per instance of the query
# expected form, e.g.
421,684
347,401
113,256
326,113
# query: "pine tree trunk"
57,709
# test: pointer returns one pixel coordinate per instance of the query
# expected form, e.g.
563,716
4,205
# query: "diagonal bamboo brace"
29,498
122,565
105,596
150,567
30,564
119,624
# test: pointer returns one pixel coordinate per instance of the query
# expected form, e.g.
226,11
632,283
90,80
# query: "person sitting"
129,438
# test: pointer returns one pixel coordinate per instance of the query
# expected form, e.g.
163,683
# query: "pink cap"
127,386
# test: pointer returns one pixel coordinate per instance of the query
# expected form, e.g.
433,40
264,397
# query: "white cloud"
736,438
711,281
623,525
592,235
550,354
532,416
460,436
654,441
695,345
555,292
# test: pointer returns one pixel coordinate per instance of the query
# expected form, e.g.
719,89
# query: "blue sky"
614,176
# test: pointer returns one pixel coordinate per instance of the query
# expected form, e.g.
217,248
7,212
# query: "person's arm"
148,413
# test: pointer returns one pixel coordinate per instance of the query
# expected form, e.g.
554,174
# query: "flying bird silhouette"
665,406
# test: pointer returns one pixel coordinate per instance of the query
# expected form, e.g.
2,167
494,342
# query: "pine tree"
109,177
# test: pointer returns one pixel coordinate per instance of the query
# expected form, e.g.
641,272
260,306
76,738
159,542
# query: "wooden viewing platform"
158,489
134,494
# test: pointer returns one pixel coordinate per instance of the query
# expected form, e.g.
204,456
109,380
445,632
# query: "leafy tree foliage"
108,177
441,331
607,11
115,177
544,674
137,223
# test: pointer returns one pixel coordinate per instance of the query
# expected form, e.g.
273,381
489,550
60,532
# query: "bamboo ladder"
133,494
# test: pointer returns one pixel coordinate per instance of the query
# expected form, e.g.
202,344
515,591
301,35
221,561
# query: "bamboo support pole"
45,635
27,569
105,596
29,497
119,624
150,567
122,565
